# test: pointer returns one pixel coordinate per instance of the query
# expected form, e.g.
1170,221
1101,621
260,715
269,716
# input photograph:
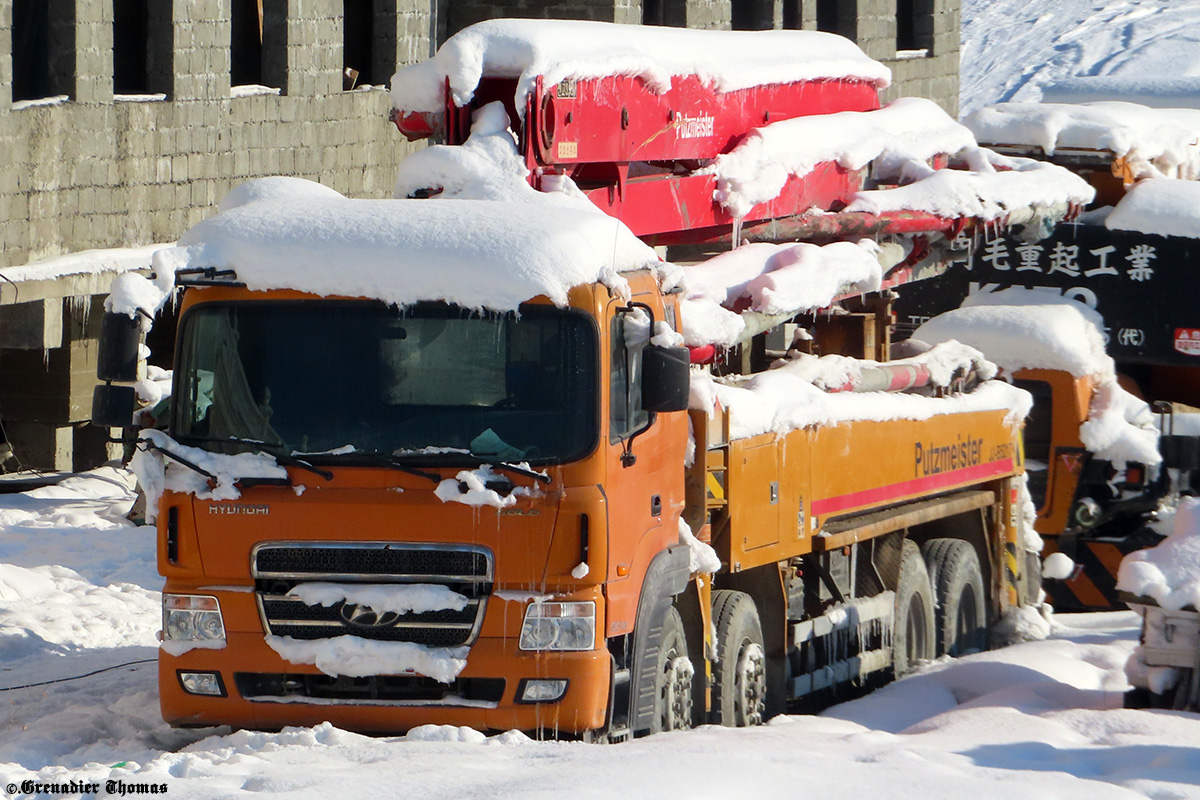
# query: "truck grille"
278,567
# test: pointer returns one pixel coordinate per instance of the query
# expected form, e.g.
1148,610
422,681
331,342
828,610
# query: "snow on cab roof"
1021,328
1156,142
290,233
1163,207
559,50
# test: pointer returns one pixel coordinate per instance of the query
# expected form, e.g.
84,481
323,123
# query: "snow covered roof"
1162,206
564,49
289,233
1157,142
1154,90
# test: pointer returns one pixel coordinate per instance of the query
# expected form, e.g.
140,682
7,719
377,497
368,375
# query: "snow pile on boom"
797,393
289,233
897,142
558,50
775,280
1153,142
1029,329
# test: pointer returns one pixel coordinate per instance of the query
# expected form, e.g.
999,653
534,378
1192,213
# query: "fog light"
208,683
540,690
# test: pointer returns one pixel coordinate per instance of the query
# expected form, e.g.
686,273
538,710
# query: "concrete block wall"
96,172
933,74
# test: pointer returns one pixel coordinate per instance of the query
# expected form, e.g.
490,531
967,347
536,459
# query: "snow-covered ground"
1147,51
1040,719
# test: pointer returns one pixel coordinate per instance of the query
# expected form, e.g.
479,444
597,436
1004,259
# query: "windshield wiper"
374,457
496,463
280,458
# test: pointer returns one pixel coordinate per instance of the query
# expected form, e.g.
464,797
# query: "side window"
1038,440
630,335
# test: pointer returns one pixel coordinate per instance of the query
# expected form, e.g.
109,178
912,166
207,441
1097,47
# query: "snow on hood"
1157,142
1170,572
910,128
290,233
559,50
1162,206
157,473
1029,329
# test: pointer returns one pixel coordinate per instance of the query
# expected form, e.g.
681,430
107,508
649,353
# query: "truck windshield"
431,383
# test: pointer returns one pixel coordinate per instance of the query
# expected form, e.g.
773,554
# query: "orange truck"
388,511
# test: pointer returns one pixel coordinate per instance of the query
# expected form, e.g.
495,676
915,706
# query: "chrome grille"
280,566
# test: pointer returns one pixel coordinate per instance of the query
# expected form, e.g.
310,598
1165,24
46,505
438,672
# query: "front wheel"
672,678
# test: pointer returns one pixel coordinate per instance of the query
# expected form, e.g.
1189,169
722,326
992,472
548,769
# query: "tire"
913,631
673,673
739,680
958,590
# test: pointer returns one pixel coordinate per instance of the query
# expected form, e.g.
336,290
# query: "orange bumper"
582,708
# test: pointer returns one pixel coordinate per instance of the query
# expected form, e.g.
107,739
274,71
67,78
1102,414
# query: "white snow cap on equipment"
559,50
290,233
1157,142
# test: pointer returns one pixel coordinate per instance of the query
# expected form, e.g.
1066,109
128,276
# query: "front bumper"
582,708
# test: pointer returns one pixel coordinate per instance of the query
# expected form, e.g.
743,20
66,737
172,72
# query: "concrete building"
123,123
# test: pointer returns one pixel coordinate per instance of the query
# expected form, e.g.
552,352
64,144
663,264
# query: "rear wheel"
957,580
913,634
672,678
740,672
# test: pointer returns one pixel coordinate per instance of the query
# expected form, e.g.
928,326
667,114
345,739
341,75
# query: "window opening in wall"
43,49
792,18
258,45
672,13
753,15
838,16
142,49
914,28
358,31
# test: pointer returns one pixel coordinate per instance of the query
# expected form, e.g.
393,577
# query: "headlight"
191,618
559,626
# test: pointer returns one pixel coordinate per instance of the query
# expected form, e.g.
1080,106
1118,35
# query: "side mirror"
666,378
117,359
112,406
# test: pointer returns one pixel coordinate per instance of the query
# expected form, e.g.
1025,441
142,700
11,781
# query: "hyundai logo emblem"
356,616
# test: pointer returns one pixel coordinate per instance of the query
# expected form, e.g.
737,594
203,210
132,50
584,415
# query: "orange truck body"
776,508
